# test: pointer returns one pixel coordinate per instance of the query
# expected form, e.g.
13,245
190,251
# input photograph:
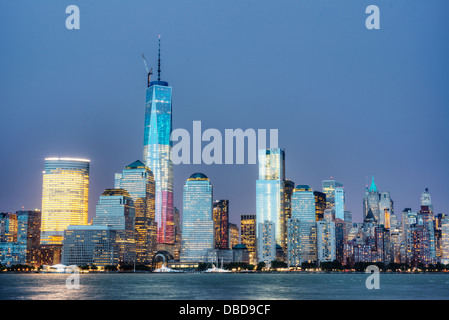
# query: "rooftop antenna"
159,61
149,71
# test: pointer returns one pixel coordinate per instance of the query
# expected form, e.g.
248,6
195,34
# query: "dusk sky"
348,102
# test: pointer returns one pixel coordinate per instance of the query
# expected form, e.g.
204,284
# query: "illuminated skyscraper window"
197,220
65,196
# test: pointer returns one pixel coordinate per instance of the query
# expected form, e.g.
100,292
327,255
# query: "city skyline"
403,166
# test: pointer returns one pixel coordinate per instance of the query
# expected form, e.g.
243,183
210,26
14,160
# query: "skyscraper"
320,205
329,187
289,186
301,244
221,222
197,220
65,196
339,203
371,202
385,202
270,194
157,153
325,239
426,199
115,209
138,180
248,235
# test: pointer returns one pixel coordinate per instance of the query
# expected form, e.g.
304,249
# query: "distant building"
371,202
329,187
445,241
197,220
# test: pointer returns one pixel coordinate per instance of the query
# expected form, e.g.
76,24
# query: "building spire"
159,61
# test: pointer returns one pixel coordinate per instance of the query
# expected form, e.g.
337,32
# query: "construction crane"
149,71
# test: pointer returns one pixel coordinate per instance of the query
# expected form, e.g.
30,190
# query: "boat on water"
166,269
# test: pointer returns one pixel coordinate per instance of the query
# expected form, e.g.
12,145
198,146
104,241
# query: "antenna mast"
159,61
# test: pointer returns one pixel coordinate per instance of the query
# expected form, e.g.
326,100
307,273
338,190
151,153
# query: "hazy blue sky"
348,102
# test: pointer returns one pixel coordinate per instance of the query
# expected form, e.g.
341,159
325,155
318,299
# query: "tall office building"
339,203
445,240
325,239
138,180
385,203
270,198
266,242
65,196
329,187
341,238
371,202
426,199
320,205
157,153
29,234
115,208
19,238
197,220
289,186
301,244
234,235
248,235
221,222
178,235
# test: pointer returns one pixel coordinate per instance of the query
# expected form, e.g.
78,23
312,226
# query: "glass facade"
248,234
329,187
221,222
371,202
270,197
303,204
138,180
339,203
326,246
90,245
320,205
157,155
197,220
65,196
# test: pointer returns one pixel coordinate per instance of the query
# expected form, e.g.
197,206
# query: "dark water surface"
151,286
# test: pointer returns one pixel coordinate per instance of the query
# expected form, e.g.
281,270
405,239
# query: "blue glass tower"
197,219
157,153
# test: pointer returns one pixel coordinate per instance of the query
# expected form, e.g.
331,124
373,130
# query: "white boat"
165,269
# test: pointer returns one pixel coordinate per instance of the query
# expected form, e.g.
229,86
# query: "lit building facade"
445,241
138,180
90,245
329,187
197,220
157,154
65,196
339,203
248,235
325,239
301,240
234,235
115,209
320,205
371,202
221,224
270,196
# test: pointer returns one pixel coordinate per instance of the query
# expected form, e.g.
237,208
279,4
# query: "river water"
229,286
